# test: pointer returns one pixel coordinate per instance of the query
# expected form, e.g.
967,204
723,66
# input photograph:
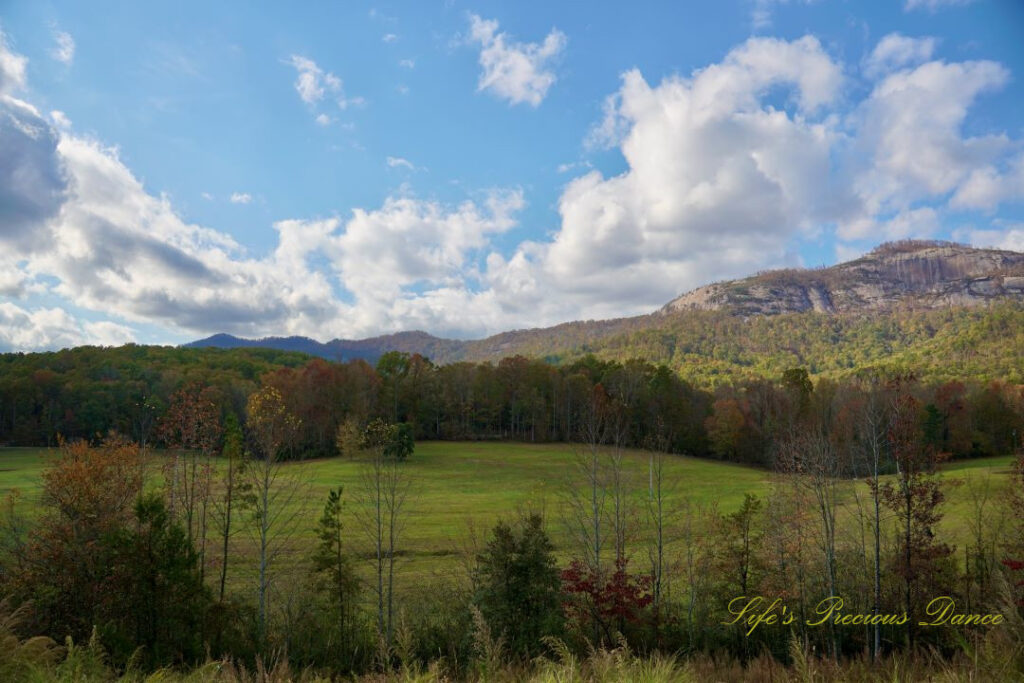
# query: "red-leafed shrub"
602,604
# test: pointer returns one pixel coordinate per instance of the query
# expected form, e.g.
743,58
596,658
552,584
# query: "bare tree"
696,562
660,518
277,496
232,486
192,429
585,512
809,457
871,428
381,498
987,527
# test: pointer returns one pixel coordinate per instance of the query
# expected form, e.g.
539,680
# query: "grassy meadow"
460,489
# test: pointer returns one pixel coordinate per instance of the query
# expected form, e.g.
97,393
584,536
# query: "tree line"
86,393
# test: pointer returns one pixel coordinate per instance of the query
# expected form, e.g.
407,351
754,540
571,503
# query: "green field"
459,489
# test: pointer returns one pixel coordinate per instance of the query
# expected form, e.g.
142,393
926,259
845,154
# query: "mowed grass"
460,489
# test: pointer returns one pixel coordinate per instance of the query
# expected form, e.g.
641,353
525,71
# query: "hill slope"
902,299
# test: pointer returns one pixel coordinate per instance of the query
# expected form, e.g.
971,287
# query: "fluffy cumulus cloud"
517,72
728,166
908,145
50,328
717,182
32,179
725,169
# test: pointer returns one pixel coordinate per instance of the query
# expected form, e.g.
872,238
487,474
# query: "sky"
347,169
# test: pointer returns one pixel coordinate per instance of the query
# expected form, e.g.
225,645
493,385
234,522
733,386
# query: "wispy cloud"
312,81
517,72
240,197
64,51
399,162
314,84
934,5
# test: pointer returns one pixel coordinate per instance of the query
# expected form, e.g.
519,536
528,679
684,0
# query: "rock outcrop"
902,274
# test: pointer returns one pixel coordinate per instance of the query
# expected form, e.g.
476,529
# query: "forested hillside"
712,347
971,397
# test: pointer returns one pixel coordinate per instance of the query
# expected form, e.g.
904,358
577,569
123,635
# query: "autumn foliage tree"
914,496
192,429
88,495
604,604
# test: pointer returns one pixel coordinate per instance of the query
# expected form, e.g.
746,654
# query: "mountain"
898,274
879,290
345,349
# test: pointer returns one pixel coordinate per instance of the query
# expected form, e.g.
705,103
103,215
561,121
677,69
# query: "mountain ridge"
894,276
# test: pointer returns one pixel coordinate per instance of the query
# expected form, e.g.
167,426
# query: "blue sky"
351,169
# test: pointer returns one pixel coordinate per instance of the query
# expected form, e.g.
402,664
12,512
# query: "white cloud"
908,134
407,63
934,5
312,81
389,37
1007,235
60,119
64,51
207,196
408,241
323,120
717,182
12,68
895,51
574,165
761,17
920,223
33,182
54,328
517,72
399,162
240,197
313,84
987,187
346,102
845,252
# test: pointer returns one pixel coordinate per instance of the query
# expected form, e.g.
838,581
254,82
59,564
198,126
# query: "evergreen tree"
517,585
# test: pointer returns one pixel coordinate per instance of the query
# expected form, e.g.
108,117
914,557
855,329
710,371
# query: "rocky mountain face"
893,276
902,274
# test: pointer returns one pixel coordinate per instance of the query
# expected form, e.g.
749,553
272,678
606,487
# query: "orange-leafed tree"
192,429
88,494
